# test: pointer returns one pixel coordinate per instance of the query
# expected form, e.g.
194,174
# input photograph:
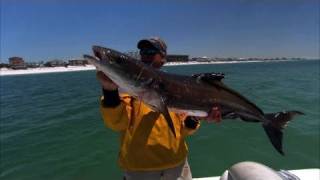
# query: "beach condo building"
177,58
17,63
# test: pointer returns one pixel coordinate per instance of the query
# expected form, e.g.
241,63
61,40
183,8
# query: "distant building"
32,64
3,65
201,59
177,58
55,63
17,63
77,62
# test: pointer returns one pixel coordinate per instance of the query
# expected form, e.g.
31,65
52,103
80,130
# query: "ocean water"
51,127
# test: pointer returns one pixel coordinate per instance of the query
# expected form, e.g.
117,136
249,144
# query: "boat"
252,171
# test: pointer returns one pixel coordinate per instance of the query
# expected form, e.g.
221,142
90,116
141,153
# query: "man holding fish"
148,148
162,108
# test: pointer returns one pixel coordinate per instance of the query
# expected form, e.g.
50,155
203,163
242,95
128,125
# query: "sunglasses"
149,52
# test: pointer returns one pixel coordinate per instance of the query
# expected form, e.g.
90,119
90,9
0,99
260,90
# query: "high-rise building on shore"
17,63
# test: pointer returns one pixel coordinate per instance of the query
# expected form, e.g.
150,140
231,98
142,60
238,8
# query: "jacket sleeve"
114,111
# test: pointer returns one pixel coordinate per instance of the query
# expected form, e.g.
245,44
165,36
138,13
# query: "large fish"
195,95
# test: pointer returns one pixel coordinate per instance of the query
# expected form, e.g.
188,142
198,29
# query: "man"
148,148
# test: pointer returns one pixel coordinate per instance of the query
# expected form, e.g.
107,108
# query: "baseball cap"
153,42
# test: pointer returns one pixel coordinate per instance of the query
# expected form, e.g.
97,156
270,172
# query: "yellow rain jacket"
147,143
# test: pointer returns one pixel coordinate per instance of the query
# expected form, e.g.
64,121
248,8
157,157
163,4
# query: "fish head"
131,75
119,67
114,64
112,59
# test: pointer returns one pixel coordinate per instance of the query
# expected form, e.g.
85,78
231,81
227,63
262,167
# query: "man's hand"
214,114
106,82
191,122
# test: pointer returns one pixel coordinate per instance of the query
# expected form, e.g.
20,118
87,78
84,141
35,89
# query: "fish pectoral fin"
164,111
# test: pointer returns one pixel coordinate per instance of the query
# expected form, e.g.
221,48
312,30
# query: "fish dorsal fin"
209,78
214,79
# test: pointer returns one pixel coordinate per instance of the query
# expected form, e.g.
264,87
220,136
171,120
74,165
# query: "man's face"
152,57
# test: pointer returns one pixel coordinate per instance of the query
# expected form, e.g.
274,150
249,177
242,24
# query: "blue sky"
42,30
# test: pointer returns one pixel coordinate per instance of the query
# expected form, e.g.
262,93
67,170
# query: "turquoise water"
51,127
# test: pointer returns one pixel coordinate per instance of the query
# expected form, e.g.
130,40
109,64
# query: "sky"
60,29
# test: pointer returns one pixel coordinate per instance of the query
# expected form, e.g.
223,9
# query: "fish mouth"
98,55
106,56
99,52
91,58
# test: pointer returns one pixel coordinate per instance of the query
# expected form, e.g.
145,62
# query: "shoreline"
44,70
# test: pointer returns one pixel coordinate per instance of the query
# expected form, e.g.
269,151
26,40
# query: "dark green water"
51,127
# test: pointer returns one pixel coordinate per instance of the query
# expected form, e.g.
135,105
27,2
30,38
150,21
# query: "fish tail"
274,125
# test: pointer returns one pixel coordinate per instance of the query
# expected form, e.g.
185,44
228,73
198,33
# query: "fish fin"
275,136
209,77
277,122
165,113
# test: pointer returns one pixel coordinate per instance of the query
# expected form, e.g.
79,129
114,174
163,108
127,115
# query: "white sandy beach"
211,62
41,70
